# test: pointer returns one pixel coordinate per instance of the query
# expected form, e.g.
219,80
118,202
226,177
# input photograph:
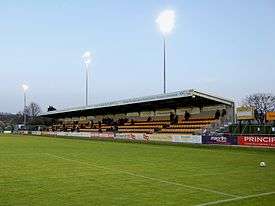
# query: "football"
262,164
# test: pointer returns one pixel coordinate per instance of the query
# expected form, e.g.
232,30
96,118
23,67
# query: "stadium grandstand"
184,112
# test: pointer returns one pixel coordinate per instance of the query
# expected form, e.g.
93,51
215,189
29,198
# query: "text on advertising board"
257,141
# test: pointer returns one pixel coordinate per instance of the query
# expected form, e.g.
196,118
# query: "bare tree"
2,125
33,110
18,119
262,102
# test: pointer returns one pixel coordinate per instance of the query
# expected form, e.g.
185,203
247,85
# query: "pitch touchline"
236,198
19,154
142,176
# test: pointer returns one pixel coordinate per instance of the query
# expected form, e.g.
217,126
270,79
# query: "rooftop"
146,100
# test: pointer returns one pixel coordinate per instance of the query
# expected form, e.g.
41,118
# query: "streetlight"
166,23
87,58
25,88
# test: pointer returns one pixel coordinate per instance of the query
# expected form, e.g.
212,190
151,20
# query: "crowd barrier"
160,137
129,136
212,138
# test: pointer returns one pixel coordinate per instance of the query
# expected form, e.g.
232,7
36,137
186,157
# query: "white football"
262,164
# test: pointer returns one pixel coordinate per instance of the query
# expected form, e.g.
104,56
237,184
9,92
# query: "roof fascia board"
212,97
179,94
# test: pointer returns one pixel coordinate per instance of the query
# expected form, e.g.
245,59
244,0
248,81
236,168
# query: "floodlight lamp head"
166,21
87,58
25,87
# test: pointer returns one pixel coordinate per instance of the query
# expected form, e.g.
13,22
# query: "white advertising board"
132,136
102,135
187,139
36,133
245,113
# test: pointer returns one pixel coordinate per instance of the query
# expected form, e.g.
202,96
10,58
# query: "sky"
224,47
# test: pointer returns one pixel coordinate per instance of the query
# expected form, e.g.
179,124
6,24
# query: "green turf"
56,171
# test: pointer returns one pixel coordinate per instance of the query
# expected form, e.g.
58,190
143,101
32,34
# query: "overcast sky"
225,47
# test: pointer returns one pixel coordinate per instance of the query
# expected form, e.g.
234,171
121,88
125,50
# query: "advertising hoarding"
245,113
187,139
109,135
270,116
132,136
266,141
219,139
36,133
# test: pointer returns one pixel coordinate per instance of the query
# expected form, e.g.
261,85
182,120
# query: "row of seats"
179,130
196,122
133,130
183,126
197,126
141,126
160,125
70,126
145,119
143,123
151,123
92,130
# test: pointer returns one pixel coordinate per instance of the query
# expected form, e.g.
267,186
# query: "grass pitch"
55,171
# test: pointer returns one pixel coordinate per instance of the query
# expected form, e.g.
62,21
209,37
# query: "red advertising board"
257,141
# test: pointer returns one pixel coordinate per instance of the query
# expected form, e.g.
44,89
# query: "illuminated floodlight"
166,21
25,87
87,58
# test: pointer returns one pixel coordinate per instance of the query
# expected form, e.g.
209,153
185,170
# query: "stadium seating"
92,130
161,118
159,124
141,126
133,130
163,125
183,126
185,131
152,123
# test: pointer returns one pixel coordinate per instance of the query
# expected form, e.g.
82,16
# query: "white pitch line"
20,154
145,177
236,198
